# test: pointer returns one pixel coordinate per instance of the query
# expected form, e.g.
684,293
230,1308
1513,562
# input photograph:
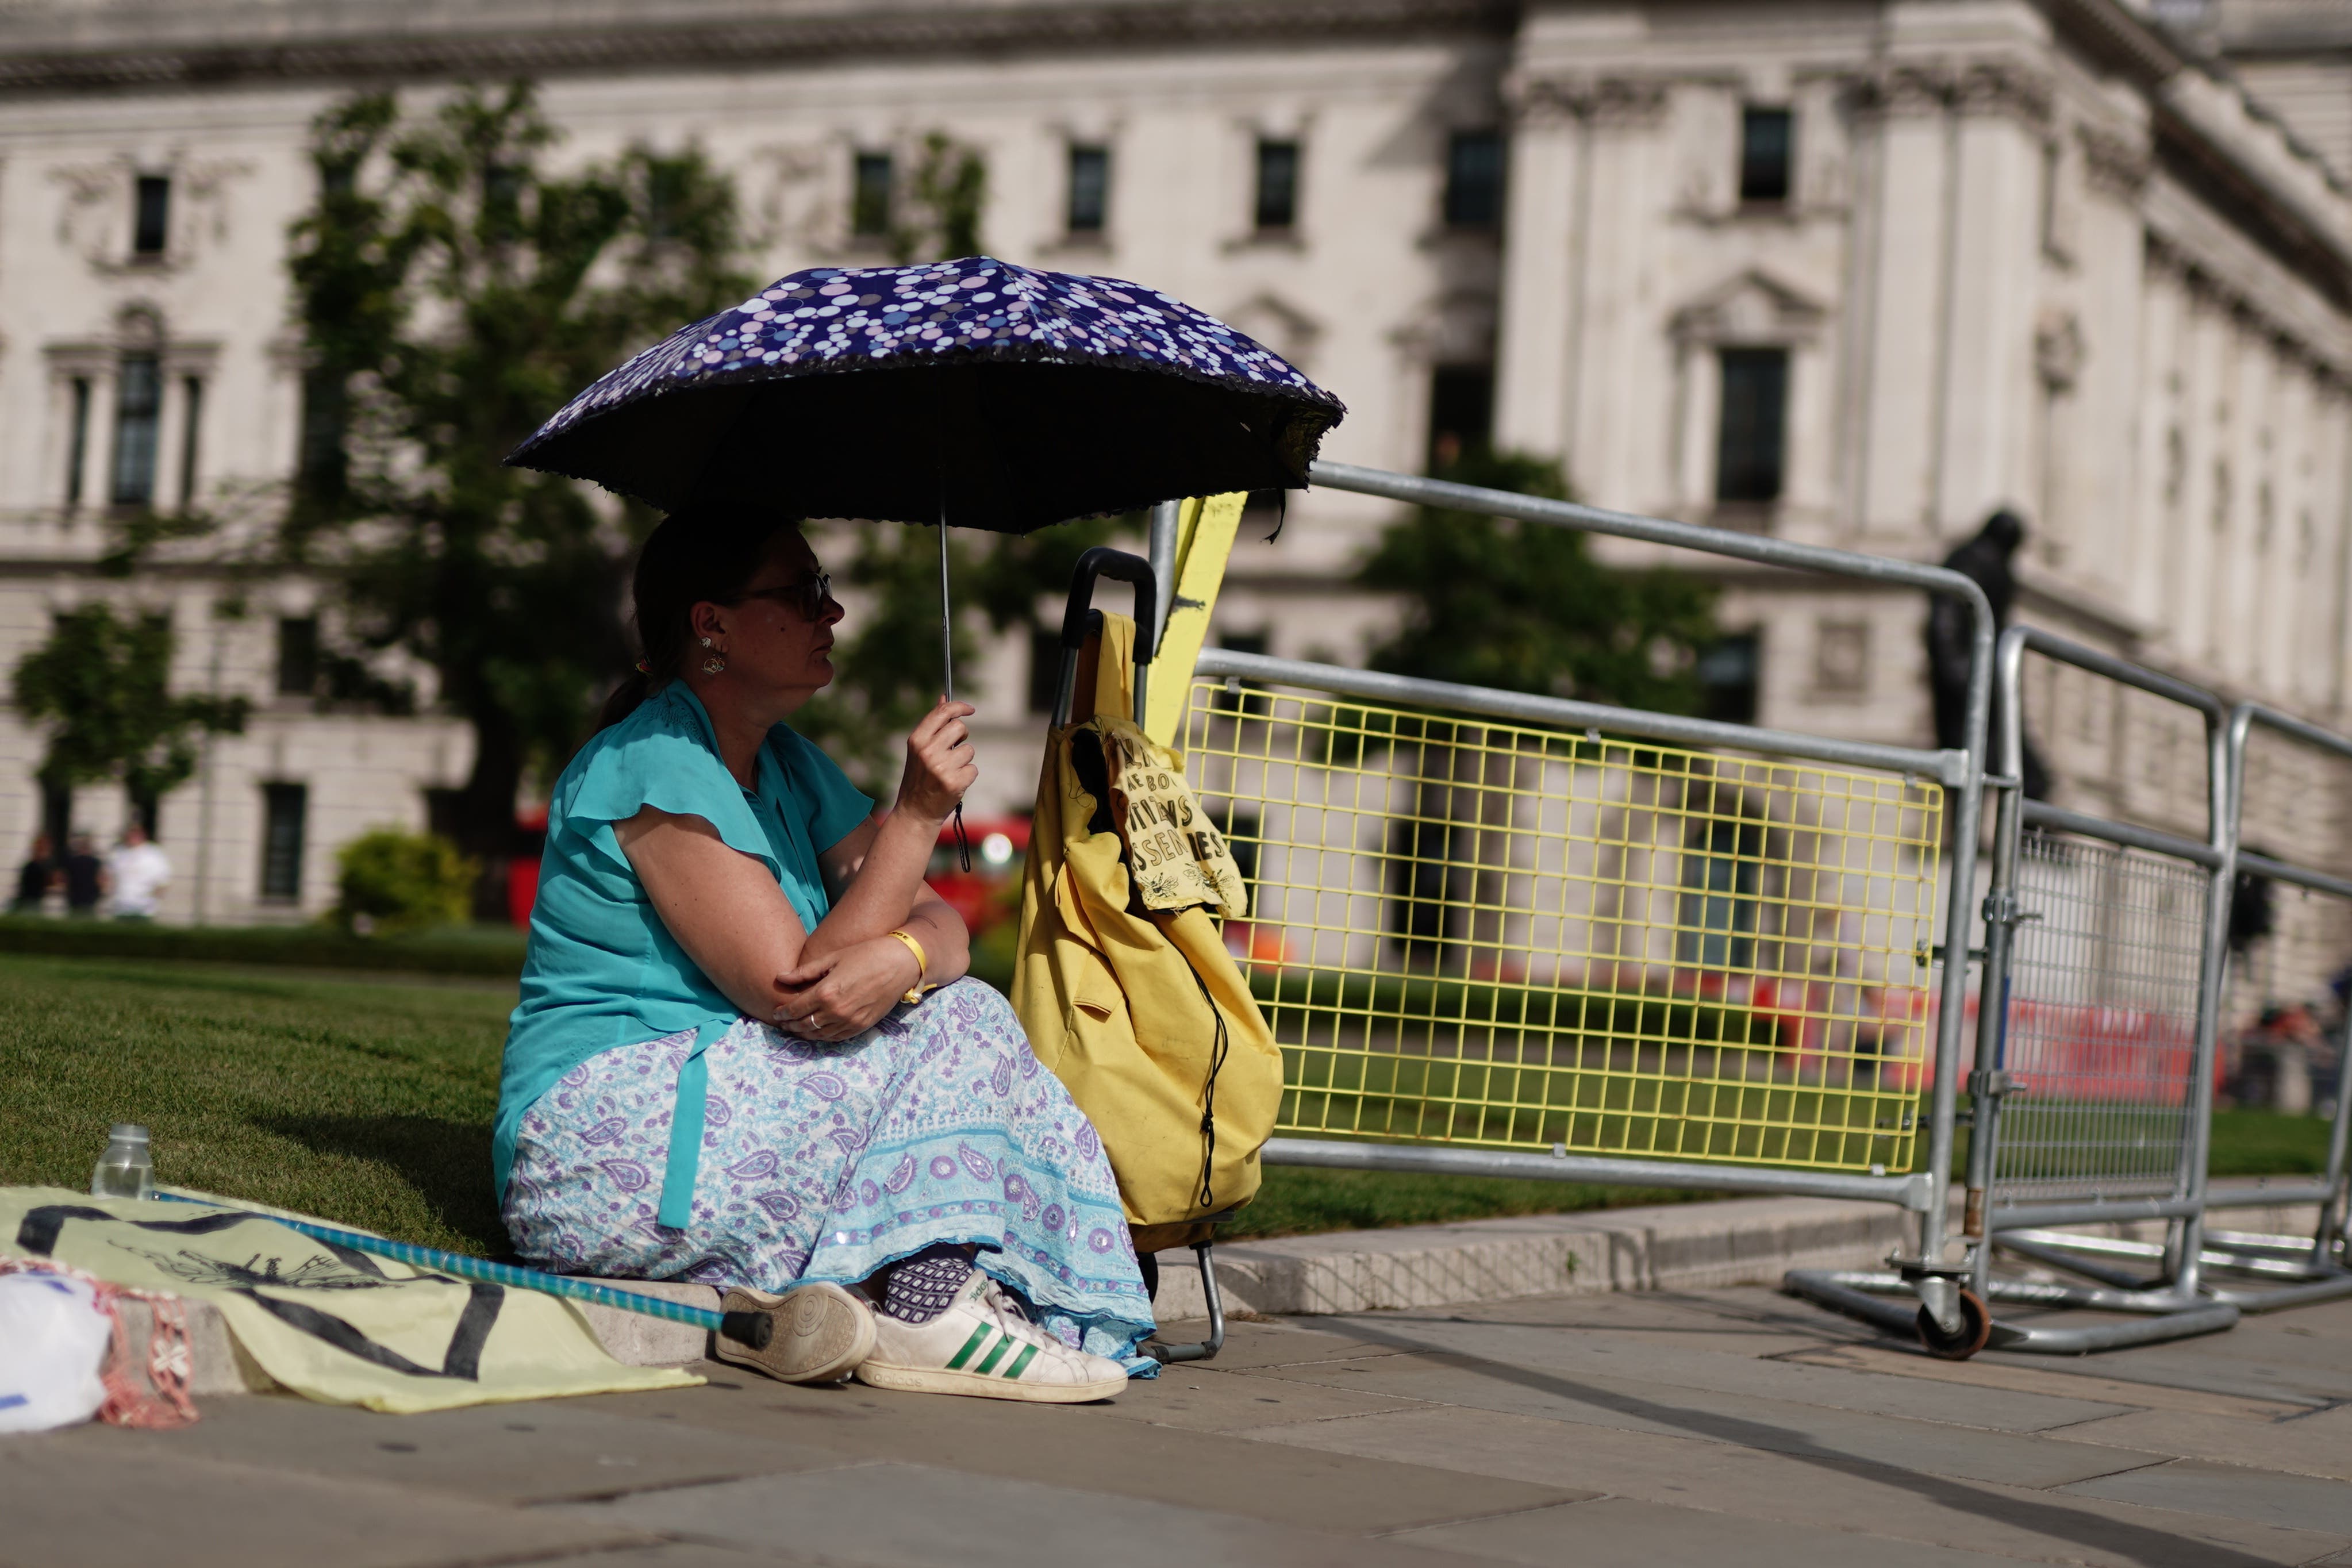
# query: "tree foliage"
1524,607
102,683
454,288
938,214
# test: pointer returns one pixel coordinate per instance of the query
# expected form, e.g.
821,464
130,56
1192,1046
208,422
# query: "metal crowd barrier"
1517,935
2286,1000
2089,1096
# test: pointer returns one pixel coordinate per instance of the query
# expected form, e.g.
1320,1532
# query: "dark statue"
1984,560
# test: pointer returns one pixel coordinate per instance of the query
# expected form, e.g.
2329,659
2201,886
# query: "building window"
1474,179
77,441
322,469
192,390
150,225
284,806
1278,185
869,195
1727,672
1460,412
298,656
1090,189
1841,657
1766,139
138,411
1749,442
1716,925
1045,667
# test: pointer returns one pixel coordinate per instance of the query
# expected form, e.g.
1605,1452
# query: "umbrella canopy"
989,395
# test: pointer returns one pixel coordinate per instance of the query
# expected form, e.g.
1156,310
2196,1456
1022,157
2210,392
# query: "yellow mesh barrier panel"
1482,933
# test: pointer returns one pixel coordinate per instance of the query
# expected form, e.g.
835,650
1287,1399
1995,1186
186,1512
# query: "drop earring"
715,663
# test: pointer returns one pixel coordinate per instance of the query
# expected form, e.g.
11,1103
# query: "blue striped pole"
747,1328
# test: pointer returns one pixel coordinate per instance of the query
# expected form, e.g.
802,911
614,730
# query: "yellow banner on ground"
334,1325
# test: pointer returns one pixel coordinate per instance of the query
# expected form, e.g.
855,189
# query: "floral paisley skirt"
828,1162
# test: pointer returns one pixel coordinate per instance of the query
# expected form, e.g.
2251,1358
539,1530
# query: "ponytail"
624,699
694,556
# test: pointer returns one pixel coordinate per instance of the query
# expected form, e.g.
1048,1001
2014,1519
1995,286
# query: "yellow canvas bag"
1140,1011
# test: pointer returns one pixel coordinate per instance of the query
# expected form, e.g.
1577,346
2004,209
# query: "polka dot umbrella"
1003,397
973,391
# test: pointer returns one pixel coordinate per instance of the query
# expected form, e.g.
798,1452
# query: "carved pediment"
1751,307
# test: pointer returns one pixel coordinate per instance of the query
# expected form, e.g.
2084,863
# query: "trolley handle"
1101,561
1097,564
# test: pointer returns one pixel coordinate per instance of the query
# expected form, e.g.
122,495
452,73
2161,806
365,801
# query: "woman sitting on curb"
745,1054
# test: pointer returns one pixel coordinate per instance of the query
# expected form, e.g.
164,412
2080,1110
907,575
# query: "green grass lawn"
368,1100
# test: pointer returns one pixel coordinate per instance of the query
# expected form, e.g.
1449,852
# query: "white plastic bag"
54,1337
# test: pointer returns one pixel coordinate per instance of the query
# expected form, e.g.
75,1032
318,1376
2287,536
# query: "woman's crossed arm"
726,910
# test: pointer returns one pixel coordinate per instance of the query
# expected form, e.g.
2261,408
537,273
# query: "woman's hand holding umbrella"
845,993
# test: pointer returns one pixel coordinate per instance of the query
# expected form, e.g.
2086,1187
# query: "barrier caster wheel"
1976,1327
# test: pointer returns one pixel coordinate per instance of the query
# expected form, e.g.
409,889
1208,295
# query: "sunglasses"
806,598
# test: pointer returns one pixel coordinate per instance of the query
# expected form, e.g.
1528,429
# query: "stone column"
1984,448
1544,233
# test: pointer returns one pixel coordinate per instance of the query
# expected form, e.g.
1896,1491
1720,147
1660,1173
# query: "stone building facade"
1856,271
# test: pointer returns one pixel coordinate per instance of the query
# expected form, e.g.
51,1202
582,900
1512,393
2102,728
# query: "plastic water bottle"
125,1170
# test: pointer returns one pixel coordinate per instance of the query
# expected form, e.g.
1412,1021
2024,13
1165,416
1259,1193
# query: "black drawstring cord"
1209,1090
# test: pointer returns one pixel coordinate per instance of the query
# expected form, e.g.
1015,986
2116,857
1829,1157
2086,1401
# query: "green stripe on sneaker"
1028,1353
979,1337
995,1355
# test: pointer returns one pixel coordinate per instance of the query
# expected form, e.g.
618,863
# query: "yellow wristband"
922,965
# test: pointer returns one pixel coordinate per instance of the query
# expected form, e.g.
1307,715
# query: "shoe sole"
939,1380
821,1332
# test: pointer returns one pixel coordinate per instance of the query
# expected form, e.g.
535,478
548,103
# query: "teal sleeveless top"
601,969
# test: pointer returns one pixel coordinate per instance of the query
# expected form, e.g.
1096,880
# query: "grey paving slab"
65,1504
2196,1365
682,1554
2039,1374
919,1516
1090,1448
1816,1491
2317,1443
1202,1399
1619,1532
1777,1425
1277,1343
2202,1486
1655,1360
501,1453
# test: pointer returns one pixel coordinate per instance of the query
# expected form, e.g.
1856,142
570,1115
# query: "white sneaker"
817,1333
983,1344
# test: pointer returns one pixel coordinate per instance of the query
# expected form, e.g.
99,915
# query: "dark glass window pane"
1461,412
1727,672
1474,179
151,215
1090,189
284,805
1045,667
1766,139
78,447
325,412
1751,441
1277,183
193,388
138,410
298,656
870,200
1718,920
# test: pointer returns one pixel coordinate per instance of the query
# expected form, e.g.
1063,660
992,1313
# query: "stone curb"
1667,1246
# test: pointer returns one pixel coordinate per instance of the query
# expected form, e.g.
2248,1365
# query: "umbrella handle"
1097,564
